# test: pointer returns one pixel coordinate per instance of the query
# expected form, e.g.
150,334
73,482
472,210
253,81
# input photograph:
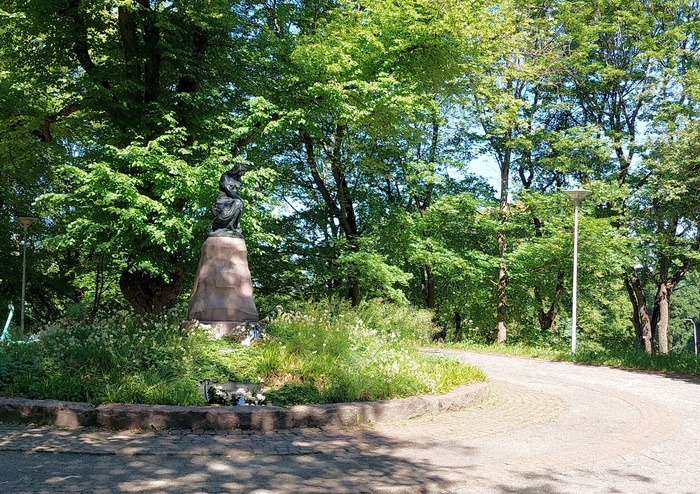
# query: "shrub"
119,358
319,353
359,355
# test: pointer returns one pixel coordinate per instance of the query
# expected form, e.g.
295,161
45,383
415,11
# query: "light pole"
25,221
576,196
695,335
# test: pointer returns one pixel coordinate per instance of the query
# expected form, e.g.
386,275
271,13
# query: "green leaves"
358,120
139,206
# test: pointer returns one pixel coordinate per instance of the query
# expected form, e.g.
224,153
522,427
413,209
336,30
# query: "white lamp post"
576,196
25,221
695,336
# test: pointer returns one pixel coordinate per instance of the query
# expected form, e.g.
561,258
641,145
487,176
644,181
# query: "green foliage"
454,237
407,323
322,353
358,120
373,272
686,305
123,115
16,362
356,356
367,83
118,358
136,204
675,363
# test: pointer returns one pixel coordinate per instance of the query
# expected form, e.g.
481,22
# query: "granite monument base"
223,290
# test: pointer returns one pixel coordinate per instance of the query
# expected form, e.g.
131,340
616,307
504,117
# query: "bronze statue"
229,206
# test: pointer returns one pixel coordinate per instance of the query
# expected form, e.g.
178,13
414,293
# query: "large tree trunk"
502,283
640,311
150,294
662,301
354,292
546,319
662,304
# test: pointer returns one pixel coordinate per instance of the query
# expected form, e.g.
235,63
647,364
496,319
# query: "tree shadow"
610,481
675,376
294,461
463,355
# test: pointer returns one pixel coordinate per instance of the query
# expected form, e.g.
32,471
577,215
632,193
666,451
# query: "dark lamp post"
25,221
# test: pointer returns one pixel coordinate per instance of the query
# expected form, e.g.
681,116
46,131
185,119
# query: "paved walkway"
548,428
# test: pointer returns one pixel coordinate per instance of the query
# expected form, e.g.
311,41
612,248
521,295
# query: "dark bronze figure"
229,206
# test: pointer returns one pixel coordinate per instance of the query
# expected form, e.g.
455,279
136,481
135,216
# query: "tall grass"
327,352
120,358
680,363
316,353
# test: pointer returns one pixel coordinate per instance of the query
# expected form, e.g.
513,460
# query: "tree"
541,267
672,221
360,85
143,105
628,65
511,107
686,306
454,236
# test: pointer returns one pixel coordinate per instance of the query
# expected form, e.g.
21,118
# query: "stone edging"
265,418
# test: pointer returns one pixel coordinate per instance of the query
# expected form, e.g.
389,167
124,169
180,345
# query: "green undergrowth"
678,363
314,353
329,353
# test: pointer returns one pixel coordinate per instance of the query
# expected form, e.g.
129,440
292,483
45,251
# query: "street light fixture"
576,196
25,221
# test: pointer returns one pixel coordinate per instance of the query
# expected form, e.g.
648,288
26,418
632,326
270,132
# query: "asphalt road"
547,428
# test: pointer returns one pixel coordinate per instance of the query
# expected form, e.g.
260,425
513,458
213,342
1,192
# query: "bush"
595,354
319,353
120,358
17,361
405,322
358,355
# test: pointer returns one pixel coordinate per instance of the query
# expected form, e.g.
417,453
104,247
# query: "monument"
222,297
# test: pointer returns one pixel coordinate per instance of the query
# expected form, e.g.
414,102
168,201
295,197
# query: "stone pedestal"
223,290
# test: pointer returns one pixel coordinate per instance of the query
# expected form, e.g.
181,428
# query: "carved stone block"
223,289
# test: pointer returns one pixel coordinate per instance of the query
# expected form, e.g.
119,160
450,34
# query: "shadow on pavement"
675,376
583,480
295,462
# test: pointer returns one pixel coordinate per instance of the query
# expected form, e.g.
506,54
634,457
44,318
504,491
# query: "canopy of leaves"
358,122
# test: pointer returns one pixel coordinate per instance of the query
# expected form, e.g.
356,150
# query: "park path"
547,428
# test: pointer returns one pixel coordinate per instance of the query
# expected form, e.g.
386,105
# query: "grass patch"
679,363
330,353
121,358
317,353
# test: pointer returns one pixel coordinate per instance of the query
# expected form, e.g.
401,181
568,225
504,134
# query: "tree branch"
44,131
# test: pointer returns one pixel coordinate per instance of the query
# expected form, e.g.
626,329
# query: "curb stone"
73,415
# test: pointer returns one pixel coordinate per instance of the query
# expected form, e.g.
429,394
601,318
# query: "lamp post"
25,221
695,336
576,196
